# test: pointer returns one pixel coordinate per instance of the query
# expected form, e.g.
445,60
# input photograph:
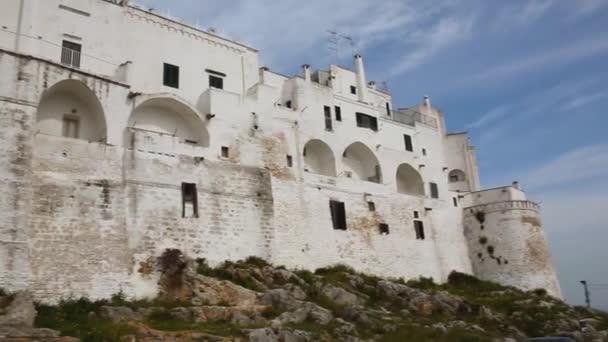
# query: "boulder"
221,292
340,296
119,314
20,312
263,335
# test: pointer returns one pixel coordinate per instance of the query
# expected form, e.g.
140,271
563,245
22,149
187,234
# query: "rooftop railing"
411,117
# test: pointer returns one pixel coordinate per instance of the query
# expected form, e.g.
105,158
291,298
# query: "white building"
125,133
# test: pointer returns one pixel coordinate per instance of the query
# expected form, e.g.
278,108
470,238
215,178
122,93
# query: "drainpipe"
361,83
19,23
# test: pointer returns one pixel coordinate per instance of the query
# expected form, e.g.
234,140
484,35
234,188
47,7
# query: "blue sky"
527,78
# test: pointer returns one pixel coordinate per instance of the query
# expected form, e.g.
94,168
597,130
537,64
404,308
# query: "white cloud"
585,99
492,115
578,165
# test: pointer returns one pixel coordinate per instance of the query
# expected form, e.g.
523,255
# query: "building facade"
125,133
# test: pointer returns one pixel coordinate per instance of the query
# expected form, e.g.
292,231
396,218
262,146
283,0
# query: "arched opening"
458,180
169,115
71,109
319,158
361,163
409,181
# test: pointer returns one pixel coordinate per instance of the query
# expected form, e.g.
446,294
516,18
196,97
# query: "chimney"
516,185
427,101
372,85
306,72
361,82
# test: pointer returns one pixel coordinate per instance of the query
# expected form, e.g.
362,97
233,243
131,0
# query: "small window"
434,190
70,53
338,215
384,229
371,206
71,126
367,121
388,109
455,200
171,75
454,178
409,146
289,161
328,123
353,90
419,227
424,151
416,214
338,111
288,104
225,152
216,82
189,200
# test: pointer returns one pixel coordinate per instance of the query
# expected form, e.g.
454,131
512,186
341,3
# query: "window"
434,190
388,109
419,227
454,178
328,123
367,121
424,151
216,82
353,90
71,126
409,146
171,76
338,111
338,215
416,214
288,104
289,161
371,206
70,54
455,200
189,200
225,152
384,229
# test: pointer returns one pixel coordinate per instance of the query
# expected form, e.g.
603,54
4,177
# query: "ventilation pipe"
306,72
515,185
361,82
372,85
427,101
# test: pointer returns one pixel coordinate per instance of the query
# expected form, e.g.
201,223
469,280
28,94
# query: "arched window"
319,158
71,109
457,176
361,163
409,180
167,114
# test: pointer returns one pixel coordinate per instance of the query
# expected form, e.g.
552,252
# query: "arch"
71,109
456,176
171,115
319,158
409,181
362,163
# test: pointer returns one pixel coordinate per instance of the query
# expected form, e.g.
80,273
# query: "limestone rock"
119,314
221,292
20,312
340,296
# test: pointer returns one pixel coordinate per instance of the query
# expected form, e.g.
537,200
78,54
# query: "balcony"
410,117
70,57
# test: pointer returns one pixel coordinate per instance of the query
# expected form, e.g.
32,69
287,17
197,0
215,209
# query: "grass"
72,318
424,334
165,322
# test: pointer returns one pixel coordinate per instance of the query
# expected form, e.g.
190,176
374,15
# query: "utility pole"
587,299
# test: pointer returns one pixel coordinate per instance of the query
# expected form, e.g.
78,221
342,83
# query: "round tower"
507,243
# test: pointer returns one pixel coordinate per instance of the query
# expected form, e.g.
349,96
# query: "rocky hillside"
253,301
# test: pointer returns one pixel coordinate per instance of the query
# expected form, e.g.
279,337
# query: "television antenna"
334,43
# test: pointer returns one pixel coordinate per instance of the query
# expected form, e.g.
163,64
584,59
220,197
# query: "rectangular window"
328,123
189,200
288,104
409,146
454,178
171,75
225,152
419,227
70,126
353,90
338,111
338,215
384,229
416,214
434,190
367,121
455,200
424,151
388,109
289,161
371,206
70,53
216,82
